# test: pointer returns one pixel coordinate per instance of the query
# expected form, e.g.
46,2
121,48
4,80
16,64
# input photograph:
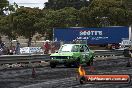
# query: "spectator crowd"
5,50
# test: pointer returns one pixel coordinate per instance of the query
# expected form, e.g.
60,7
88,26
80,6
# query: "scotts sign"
92,35
103,35
90,32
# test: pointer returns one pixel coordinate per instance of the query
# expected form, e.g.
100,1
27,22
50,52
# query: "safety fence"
107,53
35,60
9,59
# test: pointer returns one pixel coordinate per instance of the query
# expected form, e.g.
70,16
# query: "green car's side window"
75,48
81,49
86,49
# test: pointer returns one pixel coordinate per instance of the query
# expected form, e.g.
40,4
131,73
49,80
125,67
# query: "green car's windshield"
69,48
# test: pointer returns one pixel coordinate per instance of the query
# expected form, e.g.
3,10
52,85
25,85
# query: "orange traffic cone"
33,73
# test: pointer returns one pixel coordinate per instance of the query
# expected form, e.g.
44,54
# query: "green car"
72,55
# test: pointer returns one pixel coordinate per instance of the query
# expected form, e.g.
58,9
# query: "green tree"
6,23
104,13
12,8
3,5
43,24
60,4
66,17
24,21
128,4
6,28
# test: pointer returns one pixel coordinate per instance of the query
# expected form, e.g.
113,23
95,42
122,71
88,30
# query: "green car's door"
87,53
84,50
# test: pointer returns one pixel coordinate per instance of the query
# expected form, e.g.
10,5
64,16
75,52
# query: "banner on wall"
30,50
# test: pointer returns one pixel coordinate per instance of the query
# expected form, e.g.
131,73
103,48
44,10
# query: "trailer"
93,36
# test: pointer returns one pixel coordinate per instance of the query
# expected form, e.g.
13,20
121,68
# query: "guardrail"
103,53
9,59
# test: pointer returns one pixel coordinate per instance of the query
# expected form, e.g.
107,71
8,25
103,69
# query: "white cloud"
30,3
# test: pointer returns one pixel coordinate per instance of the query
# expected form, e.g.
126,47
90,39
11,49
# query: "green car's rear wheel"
52,65
90,62
77,63
68,65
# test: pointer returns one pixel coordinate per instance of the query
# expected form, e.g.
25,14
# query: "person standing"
46,47
17,50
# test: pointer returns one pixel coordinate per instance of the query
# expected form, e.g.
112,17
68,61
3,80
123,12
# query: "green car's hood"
64,54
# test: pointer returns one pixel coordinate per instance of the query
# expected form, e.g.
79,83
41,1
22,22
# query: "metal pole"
53,35
130,33
86,40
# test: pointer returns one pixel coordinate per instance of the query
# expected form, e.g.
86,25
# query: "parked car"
72,55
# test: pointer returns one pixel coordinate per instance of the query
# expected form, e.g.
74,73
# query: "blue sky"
30,3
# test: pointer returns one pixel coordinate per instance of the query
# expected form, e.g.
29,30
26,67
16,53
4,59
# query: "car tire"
82,80
68,65
90,62
52,65
77,63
